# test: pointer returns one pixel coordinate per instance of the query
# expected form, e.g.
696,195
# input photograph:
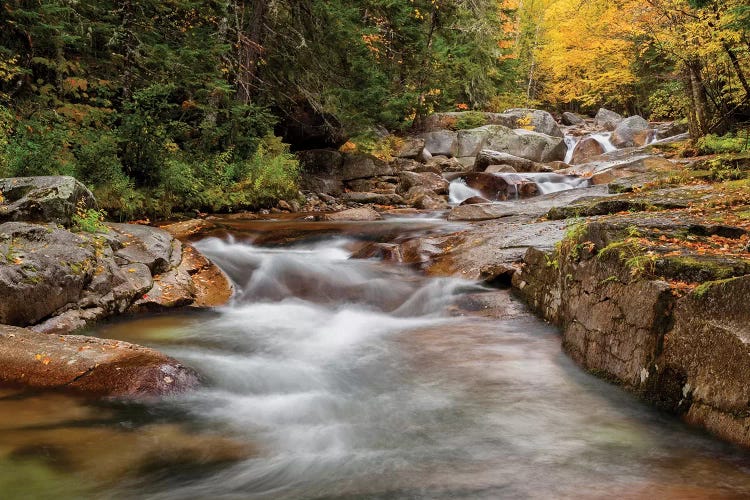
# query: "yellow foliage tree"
587,52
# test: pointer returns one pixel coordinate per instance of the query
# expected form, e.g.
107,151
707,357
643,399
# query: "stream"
330,377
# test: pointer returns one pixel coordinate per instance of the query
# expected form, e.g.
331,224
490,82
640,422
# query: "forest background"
180,105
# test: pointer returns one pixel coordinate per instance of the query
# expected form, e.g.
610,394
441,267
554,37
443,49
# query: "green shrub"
470,119
89,220
729,143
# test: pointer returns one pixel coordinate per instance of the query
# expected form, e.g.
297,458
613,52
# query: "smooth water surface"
336,378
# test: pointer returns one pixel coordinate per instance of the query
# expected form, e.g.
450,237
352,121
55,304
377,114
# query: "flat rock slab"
87,365
529,207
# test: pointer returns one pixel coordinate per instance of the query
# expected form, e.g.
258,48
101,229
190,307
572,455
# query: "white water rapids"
352,379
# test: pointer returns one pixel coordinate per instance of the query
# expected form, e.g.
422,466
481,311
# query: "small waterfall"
571,143
458,192
553,183
604,139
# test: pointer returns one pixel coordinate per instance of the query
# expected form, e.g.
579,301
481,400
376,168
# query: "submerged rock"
354,214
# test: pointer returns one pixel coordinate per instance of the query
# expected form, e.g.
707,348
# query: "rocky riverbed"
640,260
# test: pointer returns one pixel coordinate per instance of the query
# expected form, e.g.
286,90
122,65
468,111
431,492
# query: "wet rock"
632,131
376,198
354,214
423,198
585,149
389,252
59,281
491,186
440,142
362,166
411,148
500,169
671,129
685,354
488,157
490,249
147,245
474,200
428,180
569,118
606,119
52,199
612,324
661,199
90,366
608,168
211,287
527,208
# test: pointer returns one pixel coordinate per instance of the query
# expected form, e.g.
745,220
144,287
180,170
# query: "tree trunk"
699,126
250,25
737,69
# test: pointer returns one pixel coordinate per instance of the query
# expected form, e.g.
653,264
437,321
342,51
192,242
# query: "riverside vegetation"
172,107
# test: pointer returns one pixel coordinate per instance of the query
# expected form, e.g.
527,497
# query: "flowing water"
546,182
335,378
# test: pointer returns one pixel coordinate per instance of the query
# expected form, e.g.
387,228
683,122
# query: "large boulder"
432,182
59,281
321,161
632,131
42,269
411,148
533,146
362,166
569,118
322,171
585,149
440,143
52,199
536,119
470,142
606,119
87,365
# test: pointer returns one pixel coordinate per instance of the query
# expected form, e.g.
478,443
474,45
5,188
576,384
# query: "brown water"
336,378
